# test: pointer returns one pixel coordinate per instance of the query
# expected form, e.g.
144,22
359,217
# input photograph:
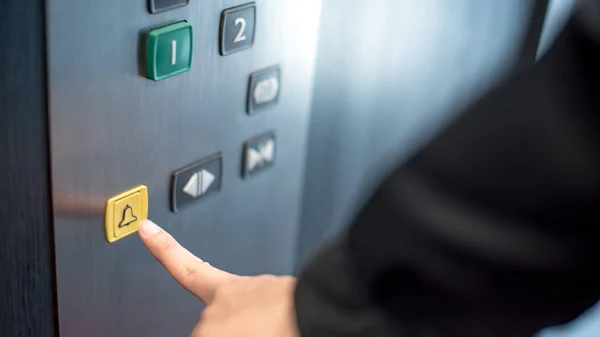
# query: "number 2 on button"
240,35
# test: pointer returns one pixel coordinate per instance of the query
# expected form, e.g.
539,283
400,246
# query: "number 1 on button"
169,50
173,52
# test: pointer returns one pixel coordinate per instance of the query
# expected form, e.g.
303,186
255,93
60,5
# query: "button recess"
169,51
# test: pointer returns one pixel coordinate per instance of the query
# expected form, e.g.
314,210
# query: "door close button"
124,213
169,51
259,154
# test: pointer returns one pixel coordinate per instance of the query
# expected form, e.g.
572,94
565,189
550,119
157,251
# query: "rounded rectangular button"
237,28
196,181
169,51
124,213
264,89
259,154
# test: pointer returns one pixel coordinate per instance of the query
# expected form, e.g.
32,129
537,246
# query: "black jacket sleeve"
493,229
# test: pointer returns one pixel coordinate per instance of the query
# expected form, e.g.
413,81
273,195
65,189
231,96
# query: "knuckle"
190,269
168,245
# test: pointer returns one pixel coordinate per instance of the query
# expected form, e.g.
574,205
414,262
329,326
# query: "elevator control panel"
124,213
206,103
169,52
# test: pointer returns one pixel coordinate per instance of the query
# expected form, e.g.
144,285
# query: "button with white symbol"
199,183
264,89
259,153
196,181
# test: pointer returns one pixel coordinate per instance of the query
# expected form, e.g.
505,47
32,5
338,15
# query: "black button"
259,154
237,28
157,6
264,89
196,181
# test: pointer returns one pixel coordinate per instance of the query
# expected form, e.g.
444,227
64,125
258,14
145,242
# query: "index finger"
195,275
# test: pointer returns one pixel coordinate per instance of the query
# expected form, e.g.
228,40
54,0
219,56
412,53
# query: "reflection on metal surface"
73,207
377,99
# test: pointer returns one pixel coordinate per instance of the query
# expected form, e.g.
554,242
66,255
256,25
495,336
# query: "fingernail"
149,228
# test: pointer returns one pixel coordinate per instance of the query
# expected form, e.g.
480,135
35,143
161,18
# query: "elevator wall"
390,73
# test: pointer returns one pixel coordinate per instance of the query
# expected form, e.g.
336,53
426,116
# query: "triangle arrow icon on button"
206,179
199,183
191,187
253,160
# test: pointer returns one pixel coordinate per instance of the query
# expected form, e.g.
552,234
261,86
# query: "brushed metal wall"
390,73
112,129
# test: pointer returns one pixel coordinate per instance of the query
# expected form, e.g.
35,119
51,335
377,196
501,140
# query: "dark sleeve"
491,230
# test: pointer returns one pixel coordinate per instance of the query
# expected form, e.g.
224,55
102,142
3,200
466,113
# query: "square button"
157,6
124,213
259,154
196,181
264,88
237,28
169,51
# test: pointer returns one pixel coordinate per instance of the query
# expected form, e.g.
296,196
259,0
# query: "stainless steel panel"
112,129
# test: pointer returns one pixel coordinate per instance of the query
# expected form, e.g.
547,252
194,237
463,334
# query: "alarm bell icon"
128,217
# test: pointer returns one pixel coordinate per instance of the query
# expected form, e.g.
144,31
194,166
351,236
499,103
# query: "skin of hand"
236,306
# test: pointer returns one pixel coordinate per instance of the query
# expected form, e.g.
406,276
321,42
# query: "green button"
169,51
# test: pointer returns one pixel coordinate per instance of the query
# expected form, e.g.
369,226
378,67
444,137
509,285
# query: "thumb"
195,275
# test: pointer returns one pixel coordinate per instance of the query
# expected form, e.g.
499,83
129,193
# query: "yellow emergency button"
124,213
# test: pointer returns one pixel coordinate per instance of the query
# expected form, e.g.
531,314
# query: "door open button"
199,183
124,213
196,181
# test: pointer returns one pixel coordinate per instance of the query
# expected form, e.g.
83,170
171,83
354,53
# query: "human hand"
236,306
